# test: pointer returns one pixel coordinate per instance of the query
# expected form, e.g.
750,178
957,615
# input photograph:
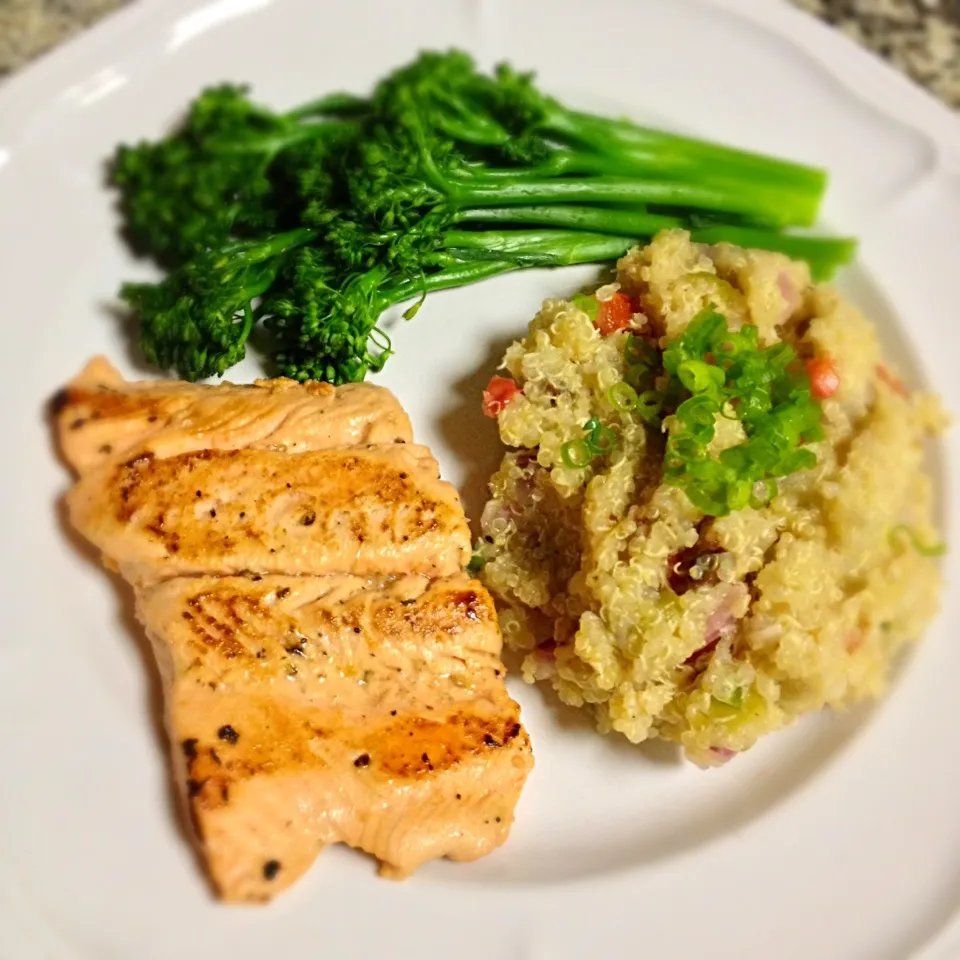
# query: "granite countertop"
920,37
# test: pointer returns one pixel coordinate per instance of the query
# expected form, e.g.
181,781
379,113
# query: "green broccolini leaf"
716,371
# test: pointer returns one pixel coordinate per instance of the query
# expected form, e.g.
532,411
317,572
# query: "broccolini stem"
824,254
660,149
457,274
273,144
633,223
774,208
561,162
339,104
536,248
247,252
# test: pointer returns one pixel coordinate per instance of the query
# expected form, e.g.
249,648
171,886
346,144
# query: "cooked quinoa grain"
708,630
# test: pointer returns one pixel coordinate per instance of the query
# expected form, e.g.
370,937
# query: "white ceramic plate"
837,839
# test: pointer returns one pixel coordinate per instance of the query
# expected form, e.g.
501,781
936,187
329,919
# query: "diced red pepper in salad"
615,314
500,391
824,377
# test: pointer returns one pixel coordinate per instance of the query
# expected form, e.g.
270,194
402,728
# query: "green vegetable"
824,254
576,454
198,320
211,181
622,396
715,370
734,699
650,405
590,305
311,222
638,351
597,441
476,564
902,531
599,438
322,331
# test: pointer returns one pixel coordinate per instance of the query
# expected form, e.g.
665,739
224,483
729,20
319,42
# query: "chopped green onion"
599,439
734,700
576,454
699,415
640,376
698,376
588,304
637,350
649,405
717,371
622,397
924,549
476,564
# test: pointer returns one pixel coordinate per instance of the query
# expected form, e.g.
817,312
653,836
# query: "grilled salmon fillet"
330,673
366,510
100,415
313,710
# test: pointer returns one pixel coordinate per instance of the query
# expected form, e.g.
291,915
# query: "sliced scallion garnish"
599,438
622,397
638,351
924,549
576,454
588,304
649,405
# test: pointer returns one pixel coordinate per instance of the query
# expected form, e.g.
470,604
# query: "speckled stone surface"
920,37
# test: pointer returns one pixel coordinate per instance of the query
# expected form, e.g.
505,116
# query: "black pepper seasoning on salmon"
270,869
226,732
362,761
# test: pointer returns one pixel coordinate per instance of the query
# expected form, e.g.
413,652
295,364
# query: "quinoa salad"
714,514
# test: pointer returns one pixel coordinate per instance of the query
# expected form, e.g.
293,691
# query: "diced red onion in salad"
723,621
495,519
790,293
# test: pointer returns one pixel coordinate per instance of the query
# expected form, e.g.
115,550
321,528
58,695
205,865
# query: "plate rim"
916,108
902,99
